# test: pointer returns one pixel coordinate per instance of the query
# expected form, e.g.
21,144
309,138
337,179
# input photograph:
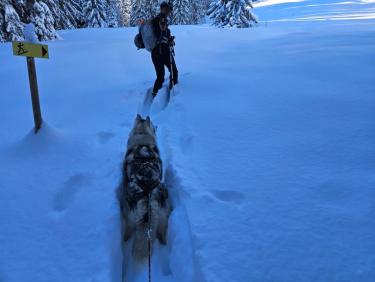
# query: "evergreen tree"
94,13
71,14
203,8
136,12
217,12
2,23
47,15
199,10
232,13
182,12
10,22
2,33
143,10
125,10
51,15
120,16
43,20
20,7
112,13
55,12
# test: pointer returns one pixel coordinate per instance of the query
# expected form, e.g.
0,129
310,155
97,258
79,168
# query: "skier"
162,53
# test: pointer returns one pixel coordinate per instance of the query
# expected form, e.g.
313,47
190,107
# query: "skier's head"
165,8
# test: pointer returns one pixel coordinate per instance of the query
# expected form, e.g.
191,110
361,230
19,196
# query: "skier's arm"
170,37
156,27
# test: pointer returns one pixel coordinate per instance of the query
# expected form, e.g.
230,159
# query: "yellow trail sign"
30,50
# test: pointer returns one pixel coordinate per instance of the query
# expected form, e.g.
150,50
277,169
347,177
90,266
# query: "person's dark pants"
161,57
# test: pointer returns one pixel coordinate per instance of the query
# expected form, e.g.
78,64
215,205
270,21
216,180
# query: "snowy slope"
315,10
267,145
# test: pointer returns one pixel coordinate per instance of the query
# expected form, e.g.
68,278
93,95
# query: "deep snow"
267,146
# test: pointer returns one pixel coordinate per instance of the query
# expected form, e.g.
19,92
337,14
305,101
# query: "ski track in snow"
165,268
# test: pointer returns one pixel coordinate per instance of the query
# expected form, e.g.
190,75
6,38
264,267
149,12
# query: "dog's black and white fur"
141,189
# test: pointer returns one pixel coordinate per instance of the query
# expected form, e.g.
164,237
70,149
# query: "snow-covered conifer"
2,24
232,13
71,14
136,12
182,12
143,9
199,10
95,13
20,7
125,10
112,13
41,16
11,25
55,11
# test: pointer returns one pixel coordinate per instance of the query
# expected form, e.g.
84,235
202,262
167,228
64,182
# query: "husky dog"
143,197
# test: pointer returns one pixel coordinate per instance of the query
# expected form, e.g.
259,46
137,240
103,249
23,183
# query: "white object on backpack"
148,36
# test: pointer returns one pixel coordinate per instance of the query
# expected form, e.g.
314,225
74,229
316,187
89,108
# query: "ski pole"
171,55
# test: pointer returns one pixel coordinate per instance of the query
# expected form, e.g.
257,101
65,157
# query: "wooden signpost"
32,51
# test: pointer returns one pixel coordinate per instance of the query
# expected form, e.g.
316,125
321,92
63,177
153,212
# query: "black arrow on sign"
44,51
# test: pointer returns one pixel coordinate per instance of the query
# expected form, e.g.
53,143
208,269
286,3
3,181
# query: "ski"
167,96
147,102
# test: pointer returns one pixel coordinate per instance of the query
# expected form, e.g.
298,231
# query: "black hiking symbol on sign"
20,50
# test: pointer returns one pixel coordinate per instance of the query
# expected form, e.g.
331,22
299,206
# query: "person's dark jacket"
163,37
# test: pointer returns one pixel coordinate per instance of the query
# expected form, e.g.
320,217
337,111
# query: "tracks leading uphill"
175,261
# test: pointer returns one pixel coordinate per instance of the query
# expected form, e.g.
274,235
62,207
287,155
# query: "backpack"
145,37
138,41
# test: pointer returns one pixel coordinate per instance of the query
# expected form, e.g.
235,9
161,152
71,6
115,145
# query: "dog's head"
143,133
144,126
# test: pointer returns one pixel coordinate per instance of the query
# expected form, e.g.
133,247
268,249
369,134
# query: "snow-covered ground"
268,148
315,10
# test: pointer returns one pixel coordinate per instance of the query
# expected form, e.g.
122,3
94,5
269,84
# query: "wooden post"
34,93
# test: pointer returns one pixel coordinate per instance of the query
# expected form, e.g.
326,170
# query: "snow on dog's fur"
141,189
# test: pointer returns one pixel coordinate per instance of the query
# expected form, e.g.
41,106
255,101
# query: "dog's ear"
139,117
148,120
